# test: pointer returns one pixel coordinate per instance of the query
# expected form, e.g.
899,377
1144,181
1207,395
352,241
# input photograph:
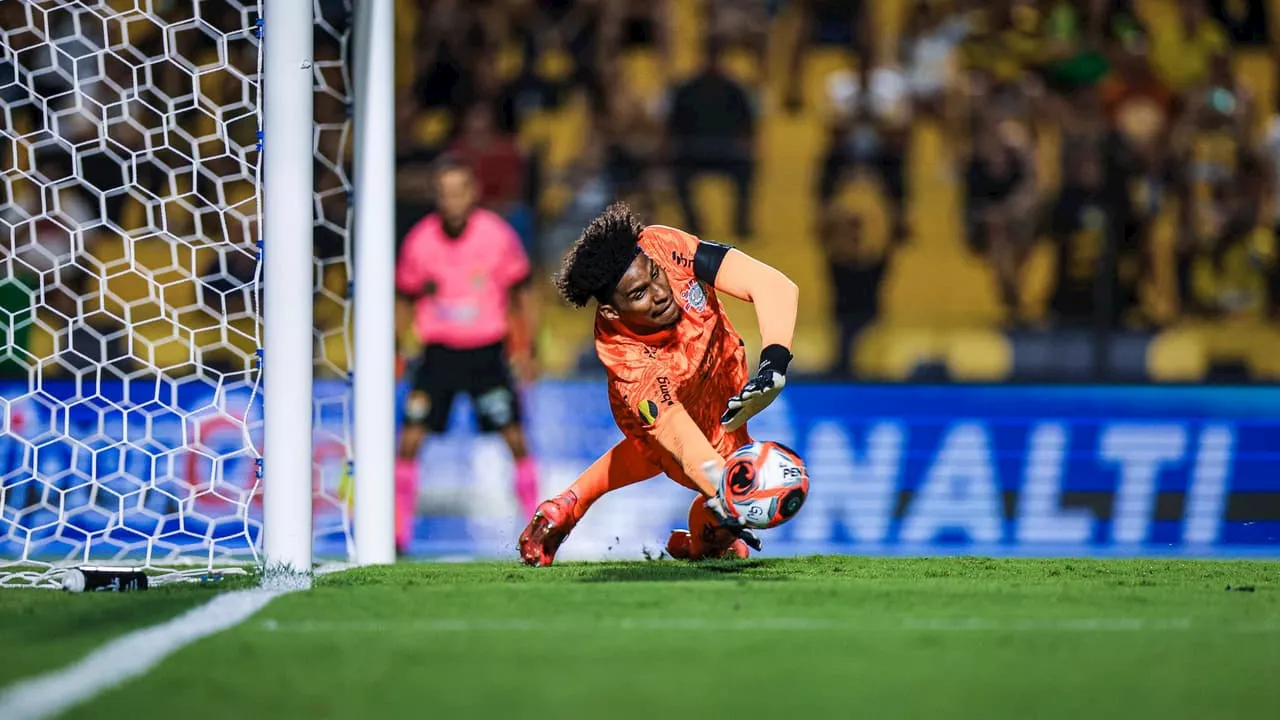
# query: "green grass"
820,637
43,630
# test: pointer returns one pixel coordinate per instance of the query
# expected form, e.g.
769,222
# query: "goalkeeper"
678,381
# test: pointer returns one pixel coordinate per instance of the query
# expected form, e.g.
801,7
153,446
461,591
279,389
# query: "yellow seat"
1263,355
979,355
906,349
1177,355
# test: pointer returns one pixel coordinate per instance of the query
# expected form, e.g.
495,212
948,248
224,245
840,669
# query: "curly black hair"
600,256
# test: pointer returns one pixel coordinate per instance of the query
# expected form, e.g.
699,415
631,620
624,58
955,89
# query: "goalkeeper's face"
643,299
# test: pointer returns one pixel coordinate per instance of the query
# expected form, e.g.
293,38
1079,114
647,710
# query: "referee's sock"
406,501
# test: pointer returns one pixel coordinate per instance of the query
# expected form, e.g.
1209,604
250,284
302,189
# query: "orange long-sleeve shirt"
668,390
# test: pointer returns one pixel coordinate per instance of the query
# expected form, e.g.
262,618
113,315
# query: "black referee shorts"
440,373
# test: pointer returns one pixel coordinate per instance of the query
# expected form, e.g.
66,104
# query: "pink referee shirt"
462,284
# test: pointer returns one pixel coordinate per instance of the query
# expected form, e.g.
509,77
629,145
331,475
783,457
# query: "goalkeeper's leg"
705,538
624,464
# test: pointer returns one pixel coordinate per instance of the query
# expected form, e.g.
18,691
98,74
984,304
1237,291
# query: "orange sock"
707,538
624,464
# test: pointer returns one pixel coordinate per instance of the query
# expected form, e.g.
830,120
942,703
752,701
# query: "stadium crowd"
1073,128
1022,168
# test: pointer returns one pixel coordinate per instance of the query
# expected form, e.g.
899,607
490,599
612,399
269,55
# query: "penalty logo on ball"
741,477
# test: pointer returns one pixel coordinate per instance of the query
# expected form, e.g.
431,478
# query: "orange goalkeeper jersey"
699,363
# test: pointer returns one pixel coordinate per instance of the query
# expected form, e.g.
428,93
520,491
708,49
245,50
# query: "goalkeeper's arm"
776,300
775,297
679,435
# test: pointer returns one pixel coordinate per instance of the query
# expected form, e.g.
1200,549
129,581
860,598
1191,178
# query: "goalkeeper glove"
771,377
719,507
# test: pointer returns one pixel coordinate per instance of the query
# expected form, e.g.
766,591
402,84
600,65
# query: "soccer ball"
764,484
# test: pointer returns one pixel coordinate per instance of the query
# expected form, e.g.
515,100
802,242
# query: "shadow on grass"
676,571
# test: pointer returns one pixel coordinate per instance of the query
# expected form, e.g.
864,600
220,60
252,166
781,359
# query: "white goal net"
130,308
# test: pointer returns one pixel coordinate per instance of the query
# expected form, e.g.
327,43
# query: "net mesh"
129,383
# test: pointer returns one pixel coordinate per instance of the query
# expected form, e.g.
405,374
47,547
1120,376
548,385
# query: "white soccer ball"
765,484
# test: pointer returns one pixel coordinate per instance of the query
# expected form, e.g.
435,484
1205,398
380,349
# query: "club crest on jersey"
648,411
694,297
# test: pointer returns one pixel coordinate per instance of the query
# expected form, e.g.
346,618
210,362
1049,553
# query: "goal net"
130,304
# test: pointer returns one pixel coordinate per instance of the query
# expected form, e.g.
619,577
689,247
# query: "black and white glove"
720,508
771,377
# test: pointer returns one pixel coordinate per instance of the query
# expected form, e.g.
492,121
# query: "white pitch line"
958,624
127,657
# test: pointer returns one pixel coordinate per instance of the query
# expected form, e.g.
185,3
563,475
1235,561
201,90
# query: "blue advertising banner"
102,469
992,470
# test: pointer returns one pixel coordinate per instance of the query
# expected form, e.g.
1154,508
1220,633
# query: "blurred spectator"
1234,261
498,165
447,49
1076,36
856,277
839,23
1271,154
1132,88
1139,113
743,24
508,99
453,58
1244,20
999,201
869,128
1221,184
1221,103
589,187
1094,253
415,195
631,135
563,47
927,48
630,23
711,129
1005,44
1183,56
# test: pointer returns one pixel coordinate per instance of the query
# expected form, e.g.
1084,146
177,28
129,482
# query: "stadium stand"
941,304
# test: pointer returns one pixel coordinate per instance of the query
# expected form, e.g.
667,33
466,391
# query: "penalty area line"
907,625
127,657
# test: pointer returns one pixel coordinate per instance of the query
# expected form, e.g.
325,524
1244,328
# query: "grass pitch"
822,637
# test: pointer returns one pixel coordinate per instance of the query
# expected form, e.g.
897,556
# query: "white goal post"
193,332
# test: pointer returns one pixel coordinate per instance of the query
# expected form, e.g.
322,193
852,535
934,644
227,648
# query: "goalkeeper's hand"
771,377
720,508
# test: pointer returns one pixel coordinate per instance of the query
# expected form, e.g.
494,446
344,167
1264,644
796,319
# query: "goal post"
374,291
179,381
287,189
